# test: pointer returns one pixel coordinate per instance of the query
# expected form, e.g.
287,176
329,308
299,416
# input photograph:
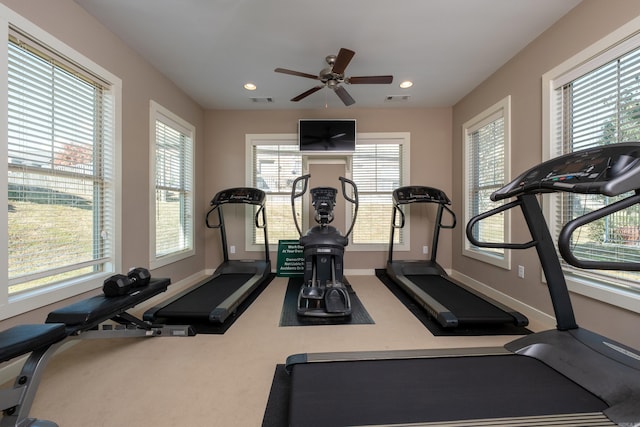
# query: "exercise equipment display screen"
610,170
249,195
416,193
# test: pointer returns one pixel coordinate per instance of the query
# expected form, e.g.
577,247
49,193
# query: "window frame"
392,138
603,51
501,109
32,299
403,138
159,113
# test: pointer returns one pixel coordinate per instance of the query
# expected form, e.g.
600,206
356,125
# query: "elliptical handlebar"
295,195
354,200
351,199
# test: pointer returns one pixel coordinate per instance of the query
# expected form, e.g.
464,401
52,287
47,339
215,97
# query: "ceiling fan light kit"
333,77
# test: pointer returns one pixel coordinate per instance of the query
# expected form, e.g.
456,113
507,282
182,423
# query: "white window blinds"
60,178
598,108
377,171
486,166
275,167
173,186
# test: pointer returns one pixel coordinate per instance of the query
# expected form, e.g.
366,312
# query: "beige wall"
141,83
436,158
430,159
521,78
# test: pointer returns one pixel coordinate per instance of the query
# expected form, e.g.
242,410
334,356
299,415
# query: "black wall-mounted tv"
327,136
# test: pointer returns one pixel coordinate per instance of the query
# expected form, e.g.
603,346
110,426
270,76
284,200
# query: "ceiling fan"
333,76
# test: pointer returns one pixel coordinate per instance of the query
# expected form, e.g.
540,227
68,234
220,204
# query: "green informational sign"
290,259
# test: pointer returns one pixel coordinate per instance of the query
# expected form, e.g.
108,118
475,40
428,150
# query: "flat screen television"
327,136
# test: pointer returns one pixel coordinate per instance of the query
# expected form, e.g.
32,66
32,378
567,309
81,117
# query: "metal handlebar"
453,216
564,238
295,195
473,221
219,224
354,200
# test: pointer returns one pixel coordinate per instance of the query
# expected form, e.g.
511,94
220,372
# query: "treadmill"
216,298
564,376
448,301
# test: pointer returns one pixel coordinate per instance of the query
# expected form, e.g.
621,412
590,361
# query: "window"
172,170
486,169
589,104
275,163
379,165
61,183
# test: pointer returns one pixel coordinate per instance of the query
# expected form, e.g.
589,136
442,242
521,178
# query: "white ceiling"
210,48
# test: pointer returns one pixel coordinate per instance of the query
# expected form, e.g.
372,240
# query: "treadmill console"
419,194
248,195
610,170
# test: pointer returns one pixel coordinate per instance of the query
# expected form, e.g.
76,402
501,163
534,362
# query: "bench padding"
22,339
89,313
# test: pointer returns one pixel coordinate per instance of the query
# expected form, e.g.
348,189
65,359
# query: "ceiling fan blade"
342,60
295,73
307,93
369,80
344,96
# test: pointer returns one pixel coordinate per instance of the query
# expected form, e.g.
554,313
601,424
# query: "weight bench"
86,316
82,320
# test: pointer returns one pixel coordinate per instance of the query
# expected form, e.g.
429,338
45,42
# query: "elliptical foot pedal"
336,301
312,292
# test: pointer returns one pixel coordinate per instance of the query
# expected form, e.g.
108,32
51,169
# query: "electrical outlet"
232,249
521,271
425,249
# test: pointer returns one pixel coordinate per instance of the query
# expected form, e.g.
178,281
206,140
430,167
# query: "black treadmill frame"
259,269
399,270
605,368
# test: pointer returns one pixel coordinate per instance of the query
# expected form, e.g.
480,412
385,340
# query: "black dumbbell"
116,285
139,277
119,284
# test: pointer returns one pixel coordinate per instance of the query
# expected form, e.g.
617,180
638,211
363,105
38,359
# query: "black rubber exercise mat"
435,328
290,317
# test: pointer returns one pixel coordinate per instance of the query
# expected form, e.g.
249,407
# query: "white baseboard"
360,272
532,313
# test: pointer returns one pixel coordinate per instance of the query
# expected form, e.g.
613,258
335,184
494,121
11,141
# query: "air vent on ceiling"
265,99
397,98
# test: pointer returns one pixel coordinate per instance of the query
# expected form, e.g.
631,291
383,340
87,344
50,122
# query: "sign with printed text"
290,259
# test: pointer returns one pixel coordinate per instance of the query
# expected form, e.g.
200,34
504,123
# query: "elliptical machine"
324,293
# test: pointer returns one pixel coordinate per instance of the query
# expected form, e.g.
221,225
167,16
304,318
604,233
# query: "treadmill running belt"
374,392
466,306
202,300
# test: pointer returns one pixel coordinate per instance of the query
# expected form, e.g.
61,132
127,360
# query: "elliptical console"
324,292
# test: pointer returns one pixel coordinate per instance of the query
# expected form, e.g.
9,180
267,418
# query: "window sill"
599,291
502,262
170,259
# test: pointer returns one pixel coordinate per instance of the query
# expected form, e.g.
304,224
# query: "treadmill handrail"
219,224
453,216
440,224
473,221
564,239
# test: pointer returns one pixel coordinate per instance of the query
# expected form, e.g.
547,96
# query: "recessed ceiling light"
250,86
406,84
